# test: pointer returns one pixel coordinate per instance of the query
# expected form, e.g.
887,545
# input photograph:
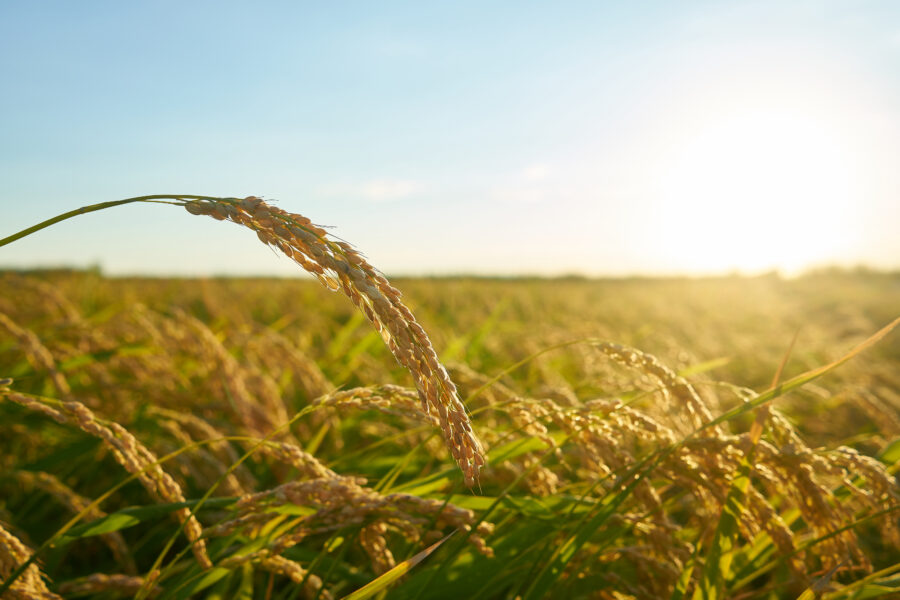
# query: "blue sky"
501,138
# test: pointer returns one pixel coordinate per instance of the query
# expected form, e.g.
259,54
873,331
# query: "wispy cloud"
375,190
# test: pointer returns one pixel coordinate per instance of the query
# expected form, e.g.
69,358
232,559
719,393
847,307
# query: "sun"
756,190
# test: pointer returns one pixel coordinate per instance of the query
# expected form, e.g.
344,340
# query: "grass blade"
382,582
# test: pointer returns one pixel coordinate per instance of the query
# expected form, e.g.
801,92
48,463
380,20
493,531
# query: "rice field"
446,438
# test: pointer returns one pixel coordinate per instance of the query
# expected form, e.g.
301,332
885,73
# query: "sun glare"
753,191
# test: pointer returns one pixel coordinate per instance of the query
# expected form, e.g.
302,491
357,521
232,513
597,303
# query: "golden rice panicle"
291,454
673,385
340,267
772,523
312,584
128,452
802,476
872,486
388,399
342,501
278,565
13,554
372,539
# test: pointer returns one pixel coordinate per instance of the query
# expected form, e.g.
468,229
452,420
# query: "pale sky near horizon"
597,138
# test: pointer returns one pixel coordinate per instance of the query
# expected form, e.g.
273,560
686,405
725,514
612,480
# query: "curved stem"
95,207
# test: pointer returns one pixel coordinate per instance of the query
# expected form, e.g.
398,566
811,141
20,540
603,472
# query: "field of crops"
263,438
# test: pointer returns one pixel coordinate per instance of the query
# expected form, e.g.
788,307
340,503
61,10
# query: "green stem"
95,207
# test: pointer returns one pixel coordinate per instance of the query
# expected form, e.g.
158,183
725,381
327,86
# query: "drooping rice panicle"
129,453
341,267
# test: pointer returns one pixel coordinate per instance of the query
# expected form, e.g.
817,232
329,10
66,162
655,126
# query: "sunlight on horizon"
756,189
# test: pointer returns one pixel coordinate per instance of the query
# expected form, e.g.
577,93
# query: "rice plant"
545,439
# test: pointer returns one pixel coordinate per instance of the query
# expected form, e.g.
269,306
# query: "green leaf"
515,448
427,484
245,589
891,454
703,367
131,516
684,579
113,522
554,569
294,510
584,531
717,567
207,579
381,583
873,588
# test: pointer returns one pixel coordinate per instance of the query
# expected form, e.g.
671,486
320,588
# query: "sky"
501,138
